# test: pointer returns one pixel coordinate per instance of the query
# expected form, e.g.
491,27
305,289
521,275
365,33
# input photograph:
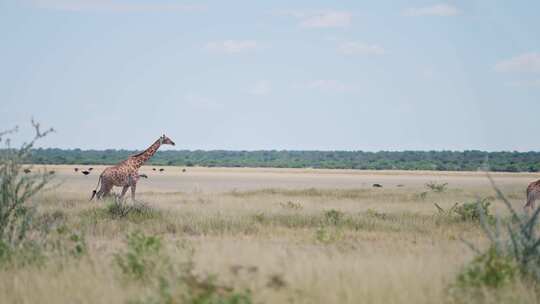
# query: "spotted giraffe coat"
533,193
126,173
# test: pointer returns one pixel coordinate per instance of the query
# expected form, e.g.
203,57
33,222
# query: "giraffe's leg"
133,188
532,196
101,191
124,190
107,190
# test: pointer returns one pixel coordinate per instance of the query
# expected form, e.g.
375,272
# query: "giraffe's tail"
95,190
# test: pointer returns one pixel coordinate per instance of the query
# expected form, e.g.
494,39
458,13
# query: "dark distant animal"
377,185
400,185
26,171
126,173
90,169
161,170
85,172
51,172
143,175
184,170
76,169
533,193
153,169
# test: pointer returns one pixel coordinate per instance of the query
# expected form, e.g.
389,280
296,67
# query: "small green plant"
142,258
178,283
376,214
489,269
469,211
119,209
472,211
333,217
291,206
435,187
327,235
260,217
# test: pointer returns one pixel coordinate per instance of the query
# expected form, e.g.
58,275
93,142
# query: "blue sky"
248,75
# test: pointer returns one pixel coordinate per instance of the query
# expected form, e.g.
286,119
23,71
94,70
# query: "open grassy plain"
287,235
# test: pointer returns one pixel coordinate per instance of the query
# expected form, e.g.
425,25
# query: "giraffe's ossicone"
126,173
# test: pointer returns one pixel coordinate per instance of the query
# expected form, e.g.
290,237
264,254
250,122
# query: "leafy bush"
333,217
142,258
489,269
470,211
18,184
174,283
511,255
117,208
473,211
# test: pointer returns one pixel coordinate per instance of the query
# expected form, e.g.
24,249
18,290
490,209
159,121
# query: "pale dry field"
389,247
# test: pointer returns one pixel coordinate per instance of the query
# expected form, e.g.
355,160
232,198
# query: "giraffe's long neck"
141,158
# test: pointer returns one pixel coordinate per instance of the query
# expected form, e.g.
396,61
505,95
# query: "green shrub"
174,283
489,269
333,217
117,208
469,211
472,211
18,184
142,259
512,254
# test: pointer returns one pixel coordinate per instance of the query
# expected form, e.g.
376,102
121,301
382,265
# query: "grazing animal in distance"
76,169
184,170
85,172
51,172
126,174
26,171
161,170
533,193
143,175
377,185
90,169
153,169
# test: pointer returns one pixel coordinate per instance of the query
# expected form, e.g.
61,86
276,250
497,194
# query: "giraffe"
533,193
125,174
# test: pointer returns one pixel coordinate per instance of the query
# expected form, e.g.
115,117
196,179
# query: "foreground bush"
512,255
144,261
17,186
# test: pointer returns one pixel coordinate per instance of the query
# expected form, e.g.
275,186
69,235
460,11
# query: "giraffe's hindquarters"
532,196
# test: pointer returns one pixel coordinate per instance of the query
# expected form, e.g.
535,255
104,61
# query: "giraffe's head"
166,141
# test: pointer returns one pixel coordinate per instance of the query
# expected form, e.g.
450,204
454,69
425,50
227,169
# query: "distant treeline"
404,160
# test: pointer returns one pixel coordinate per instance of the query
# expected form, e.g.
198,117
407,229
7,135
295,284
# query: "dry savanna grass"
300,236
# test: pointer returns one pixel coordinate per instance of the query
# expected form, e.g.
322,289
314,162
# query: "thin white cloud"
443,10
357,48
261,88
232,46
528,62
327,85
321,19
113,6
